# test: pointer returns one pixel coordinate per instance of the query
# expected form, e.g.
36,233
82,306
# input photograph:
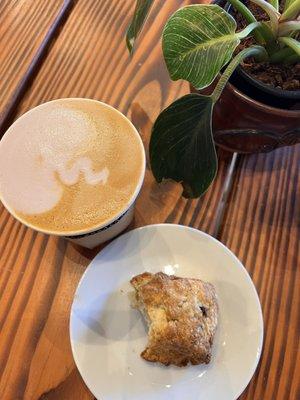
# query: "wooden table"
258,219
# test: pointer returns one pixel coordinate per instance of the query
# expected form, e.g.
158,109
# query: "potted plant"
201,44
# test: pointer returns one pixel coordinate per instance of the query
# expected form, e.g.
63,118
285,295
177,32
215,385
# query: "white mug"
92,237
106,232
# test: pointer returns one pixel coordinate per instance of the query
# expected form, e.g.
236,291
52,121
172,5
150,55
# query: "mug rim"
108,221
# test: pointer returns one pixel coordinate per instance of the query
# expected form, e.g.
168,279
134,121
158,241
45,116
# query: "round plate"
107,335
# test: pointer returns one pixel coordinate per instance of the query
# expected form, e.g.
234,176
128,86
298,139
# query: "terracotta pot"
244,125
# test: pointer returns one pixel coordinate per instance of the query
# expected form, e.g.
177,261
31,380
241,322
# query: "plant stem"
267,32
249,28
242,9
292,12
249,17
271,40
250,51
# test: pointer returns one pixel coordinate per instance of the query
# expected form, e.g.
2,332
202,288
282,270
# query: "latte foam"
70,165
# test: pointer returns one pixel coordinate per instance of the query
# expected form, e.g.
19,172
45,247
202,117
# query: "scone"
182,317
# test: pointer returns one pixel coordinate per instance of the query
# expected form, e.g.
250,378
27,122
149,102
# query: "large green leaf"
198,41
182,147
141,11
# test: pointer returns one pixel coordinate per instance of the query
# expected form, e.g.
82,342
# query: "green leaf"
292,59
243,9
292,43
181,145
249,28
198,41
292,11
271,11
141,12
288,27
281,55
287,3
259,34
275,4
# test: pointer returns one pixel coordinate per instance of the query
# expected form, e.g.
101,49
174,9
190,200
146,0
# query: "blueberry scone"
182,316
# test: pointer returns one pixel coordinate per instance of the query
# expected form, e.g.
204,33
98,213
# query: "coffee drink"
70,165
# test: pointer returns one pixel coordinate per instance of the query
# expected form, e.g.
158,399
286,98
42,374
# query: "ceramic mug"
92,237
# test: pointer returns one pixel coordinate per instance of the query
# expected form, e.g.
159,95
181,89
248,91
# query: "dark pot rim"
280,93
279,111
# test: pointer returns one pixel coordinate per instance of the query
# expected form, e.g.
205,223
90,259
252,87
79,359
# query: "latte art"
83,165
69,165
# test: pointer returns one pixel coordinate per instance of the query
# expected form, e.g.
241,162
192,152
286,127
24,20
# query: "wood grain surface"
262,227
39,274
23,26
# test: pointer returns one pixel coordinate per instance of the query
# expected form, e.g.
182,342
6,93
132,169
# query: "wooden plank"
23,25
262,227
27,78
38,274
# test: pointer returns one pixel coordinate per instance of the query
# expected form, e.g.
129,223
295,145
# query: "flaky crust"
182,316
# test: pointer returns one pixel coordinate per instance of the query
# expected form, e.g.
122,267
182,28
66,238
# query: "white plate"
107,336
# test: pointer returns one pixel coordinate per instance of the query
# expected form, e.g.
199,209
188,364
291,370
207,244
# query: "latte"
70,165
